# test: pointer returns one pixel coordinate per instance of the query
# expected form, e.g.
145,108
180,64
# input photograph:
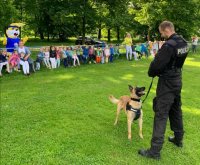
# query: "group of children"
51,57
74,56
13,62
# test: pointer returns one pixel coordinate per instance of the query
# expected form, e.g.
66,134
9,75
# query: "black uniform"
167,103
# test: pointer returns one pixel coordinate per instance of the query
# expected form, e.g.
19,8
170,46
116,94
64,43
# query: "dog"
132,106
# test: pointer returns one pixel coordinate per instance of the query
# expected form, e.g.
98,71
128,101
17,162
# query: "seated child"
46,58
75,57
39,59
116,50
63,56
3,61
53,57
14,60
112,52
69,54
98,55
79,52
134,52
138,50
91,55
24,63
57,57
85,53
107,53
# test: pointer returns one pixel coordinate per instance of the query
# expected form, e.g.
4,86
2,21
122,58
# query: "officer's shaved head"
166,25
166,28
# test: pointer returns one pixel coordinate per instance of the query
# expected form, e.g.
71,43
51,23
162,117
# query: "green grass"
63,116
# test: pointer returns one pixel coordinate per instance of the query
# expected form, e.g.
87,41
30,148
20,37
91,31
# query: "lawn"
63,116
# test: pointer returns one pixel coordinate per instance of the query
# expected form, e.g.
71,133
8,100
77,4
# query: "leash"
148,90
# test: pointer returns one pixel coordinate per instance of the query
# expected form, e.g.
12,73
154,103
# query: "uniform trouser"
128,52
167,104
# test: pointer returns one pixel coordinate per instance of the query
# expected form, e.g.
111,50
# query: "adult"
128,42
167,66
194,44
26,51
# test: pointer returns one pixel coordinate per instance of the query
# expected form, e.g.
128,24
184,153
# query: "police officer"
167,65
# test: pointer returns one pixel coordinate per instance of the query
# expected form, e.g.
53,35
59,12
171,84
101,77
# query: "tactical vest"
181,50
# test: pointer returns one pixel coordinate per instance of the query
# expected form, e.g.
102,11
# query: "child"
111,53
155,47
39,59
138,50
53,57
69,54
98,55
14,60
75,57
85,54
134,52
107,53
3,61
46,58
63,56
79,52
91,55
25,64
57,57
116,50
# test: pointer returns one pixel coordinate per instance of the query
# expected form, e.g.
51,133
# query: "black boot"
175,141
149,154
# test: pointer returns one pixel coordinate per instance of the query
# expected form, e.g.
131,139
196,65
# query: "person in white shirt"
46,58
26,51
194,44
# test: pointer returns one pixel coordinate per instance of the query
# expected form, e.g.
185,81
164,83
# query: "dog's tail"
113,99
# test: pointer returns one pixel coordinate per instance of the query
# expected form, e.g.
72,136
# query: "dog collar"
138,100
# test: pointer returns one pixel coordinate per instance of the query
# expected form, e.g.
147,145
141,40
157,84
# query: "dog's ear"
130,88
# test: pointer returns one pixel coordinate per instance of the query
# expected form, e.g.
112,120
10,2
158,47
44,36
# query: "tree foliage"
64,18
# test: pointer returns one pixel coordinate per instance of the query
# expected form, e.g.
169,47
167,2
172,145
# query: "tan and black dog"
132,106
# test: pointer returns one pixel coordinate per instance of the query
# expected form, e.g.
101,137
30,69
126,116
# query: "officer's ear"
130,88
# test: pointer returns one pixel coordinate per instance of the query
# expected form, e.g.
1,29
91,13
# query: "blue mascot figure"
12,37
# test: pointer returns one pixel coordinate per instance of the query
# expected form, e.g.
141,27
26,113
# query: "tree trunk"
48,35
148,36
109,35
83,30
118,33
99,34
41,34
84,22
99,31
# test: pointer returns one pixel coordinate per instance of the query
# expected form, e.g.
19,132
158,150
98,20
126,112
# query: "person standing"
194,44
167,65
128,42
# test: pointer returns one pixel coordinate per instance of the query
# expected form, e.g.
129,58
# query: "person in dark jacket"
167,65
53,57
3,61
